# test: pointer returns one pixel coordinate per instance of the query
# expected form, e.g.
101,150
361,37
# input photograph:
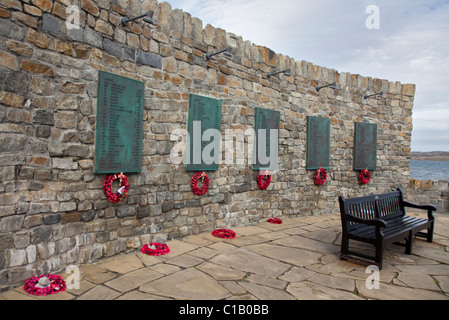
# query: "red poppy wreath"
44,284
122,192
224,234
275,221
155,249
365,176
320,176
194,183
264,180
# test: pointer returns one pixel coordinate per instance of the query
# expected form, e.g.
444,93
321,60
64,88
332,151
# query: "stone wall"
53,212
435,193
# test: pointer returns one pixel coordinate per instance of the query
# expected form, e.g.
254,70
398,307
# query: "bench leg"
344,244
379,253
430,232
408,243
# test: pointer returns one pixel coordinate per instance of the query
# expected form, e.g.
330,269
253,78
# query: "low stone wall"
435,193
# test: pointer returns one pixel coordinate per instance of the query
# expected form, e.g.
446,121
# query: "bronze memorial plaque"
204,128
318,143
266,154
365,146
119,124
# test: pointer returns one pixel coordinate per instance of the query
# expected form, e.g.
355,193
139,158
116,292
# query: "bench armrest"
429,208
419,206
371,222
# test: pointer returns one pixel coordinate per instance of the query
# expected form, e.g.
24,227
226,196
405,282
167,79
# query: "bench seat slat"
397,225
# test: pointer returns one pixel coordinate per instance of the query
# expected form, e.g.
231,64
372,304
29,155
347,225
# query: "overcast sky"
410,46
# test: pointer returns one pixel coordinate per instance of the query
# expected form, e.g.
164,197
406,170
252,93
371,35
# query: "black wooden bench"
381,220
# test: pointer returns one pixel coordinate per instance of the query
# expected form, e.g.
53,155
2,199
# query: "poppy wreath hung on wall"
264,180
194,183
155,249
44,285
224,234
320,176
122,192
365,176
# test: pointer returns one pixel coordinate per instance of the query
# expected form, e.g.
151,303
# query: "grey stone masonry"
435,193
53,211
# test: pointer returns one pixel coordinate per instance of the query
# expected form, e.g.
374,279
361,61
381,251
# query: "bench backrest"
381,206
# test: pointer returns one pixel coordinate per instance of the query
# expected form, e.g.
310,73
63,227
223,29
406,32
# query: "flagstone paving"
297,260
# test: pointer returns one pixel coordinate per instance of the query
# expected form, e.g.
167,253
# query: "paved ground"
298,260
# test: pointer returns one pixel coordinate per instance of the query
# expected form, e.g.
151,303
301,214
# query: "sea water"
429,170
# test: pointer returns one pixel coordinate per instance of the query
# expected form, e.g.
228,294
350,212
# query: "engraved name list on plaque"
266,146
119,128
203,150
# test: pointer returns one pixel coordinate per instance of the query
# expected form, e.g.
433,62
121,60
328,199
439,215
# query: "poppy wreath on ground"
224,234
155,249
275,221
122,192
320,176
264,180
194,183
56,284
365,176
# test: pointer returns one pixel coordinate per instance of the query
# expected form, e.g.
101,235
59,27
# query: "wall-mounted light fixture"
147,17
332,85
227,52
372,95
287,72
